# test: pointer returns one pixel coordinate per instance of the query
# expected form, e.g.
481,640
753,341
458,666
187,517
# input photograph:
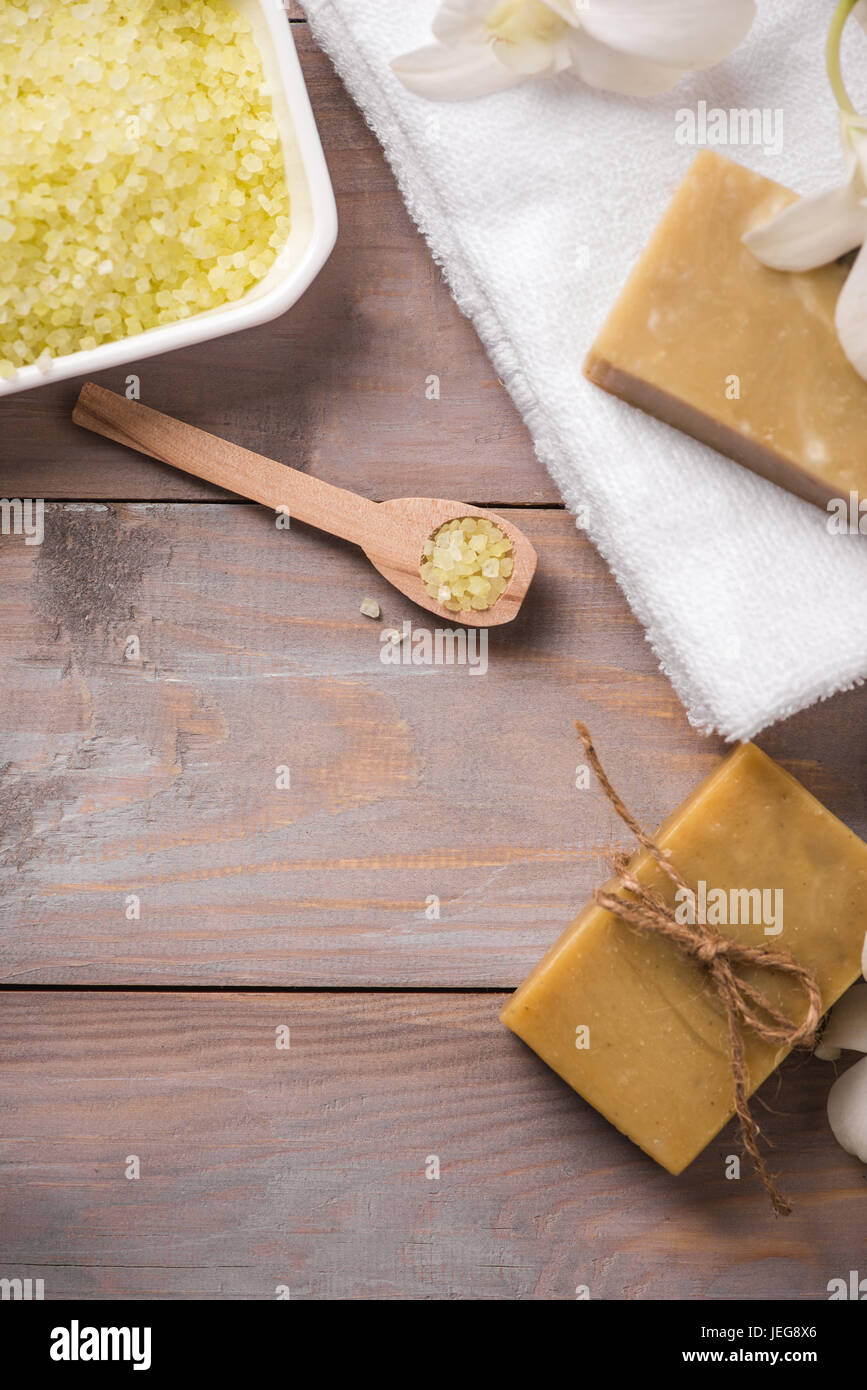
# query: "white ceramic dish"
311,238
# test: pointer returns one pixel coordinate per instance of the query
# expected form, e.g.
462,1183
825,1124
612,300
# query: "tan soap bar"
743,358
657,1064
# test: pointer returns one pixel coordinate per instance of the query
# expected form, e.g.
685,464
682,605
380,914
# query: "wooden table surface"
169,912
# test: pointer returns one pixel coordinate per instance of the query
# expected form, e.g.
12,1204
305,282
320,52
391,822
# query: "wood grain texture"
336,387
157,777
263,1167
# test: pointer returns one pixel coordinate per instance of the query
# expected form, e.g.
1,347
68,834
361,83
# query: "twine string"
647,912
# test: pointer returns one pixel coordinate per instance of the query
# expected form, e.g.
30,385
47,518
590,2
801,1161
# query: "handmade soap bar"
633,1024
744,358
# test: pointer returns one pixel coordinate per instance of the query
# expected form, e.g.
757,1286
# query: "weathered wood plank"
263,1167
157,777
337,386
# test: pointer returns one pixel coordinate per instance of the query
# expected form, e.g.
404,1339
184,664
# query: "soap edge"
689,420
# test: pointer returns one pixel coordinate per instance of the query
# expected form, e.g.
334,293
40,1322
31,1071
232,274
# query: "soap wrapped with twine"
722,958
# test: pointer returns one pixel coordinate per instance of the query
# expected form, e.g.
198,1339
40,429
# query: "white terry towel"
536,202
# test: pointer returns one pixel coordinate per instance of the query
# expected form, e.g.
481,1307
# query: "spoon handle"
261,479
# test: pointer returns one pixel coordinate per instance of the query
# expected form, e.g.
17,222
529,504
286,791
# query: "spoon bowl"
391,534
414,520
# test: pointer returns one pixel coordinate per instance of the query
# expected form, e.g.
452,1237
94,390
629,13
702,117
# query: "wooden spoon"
391,534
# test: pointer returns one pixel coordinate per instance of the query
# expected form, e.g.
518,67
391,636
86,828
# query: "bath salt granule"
139,151
466,564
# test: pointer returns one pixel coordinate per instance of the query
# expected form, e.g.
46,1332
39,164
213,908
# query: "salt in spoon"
391,534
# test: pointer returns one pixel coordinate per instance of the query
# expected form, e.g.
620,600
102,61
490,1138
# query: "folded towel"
536,202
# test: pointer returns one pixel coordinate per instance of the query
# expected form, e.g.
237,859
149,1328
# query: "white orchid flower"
634,47
815,231
847,1101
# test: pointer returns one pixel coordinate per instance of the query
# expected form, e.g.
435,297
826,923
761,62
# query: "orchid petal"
847,1110
851,315
601,66
451,74
461,21
528,58
573,13
811,232
847,1025
680,33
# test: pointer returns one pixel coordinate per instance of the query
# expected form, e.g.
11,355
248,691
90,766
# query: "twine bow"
745,1006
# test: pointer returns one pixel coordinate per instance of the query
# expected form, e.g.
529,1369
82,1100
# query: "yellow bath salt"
141,172
466,564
